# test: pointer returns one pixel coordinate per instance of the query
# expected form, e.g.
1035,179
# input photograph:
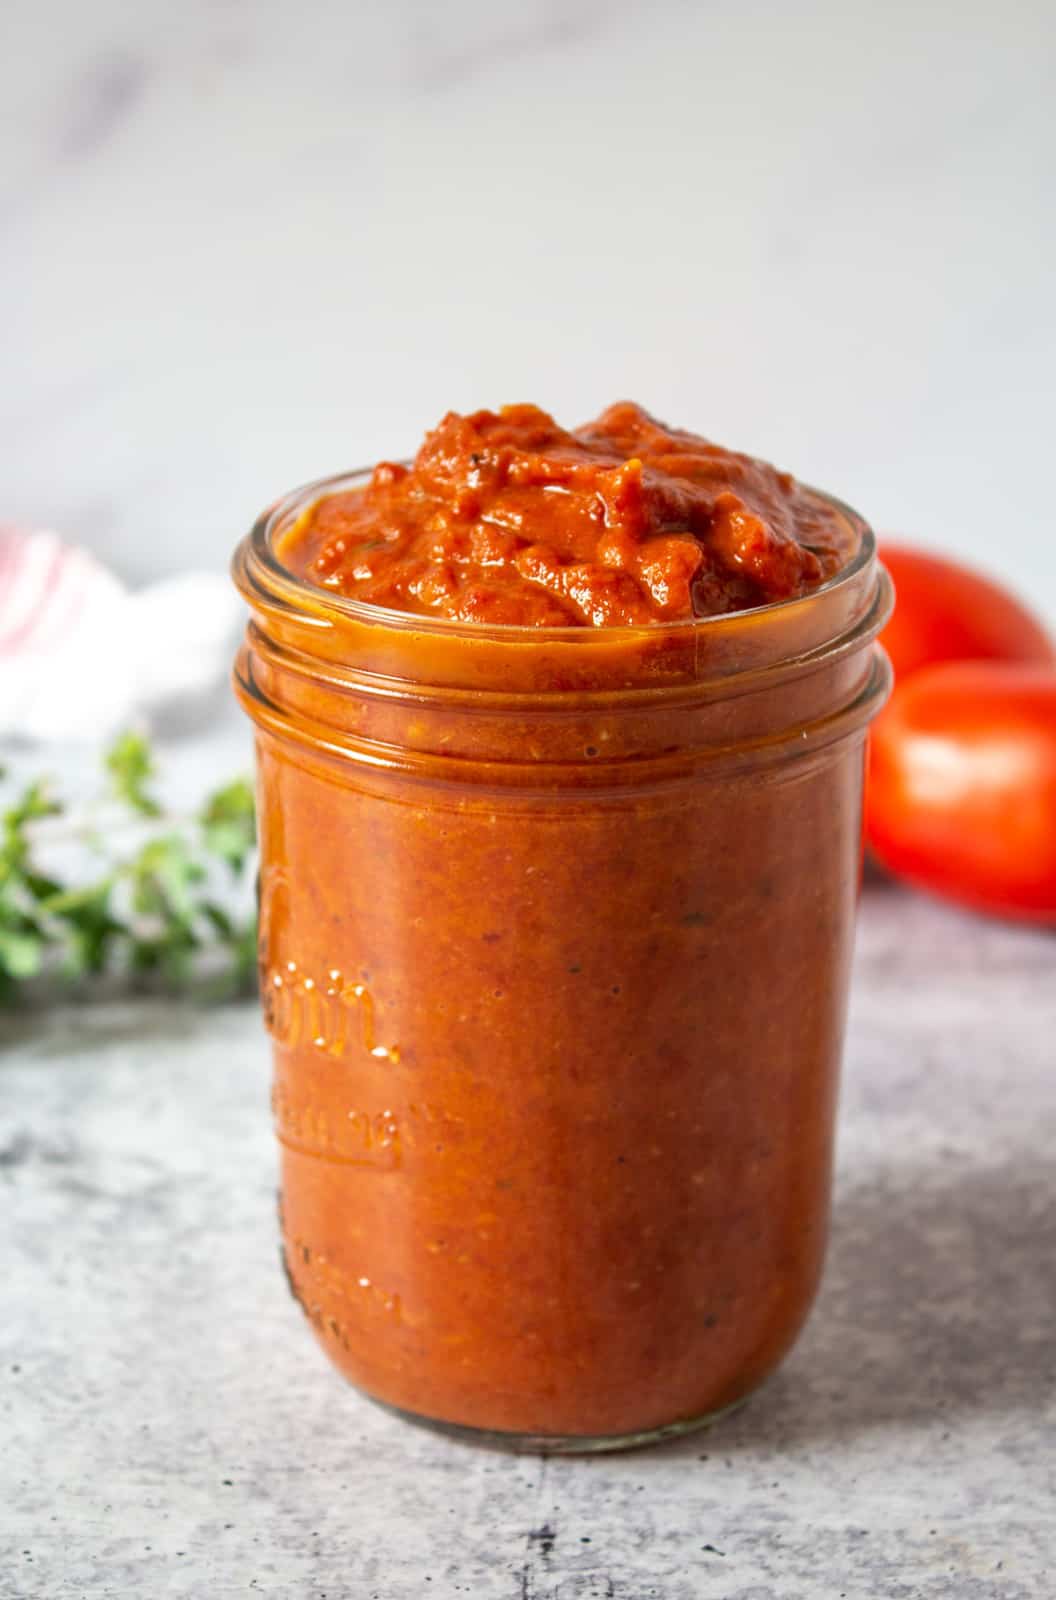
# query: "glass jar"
555,935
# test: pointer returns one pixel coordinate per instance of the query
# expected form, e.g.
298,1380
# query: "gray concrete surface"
168,1427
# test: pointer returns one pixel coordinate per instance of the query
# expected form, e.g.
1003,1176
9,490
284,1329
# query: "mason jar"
555,933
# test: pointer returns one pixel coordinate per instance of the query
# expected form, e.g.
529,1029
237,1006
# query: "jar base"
558,1444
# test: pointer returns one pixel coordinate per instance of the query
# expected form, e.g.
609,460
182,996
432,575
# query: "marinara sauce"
560,757
506,518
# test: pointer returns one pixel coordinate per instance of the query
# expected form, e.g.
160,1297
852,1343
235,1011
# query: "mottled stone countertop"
167,1426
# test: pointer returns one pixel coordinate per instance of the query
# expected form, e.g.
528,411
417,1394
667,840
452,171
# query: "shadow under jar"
555,935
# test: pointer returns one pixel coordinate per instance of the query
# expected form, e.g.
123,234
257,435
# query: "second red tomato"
947,612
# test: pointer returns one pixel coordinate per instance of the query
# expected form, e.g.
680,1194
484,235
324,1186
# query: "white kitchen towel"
81,654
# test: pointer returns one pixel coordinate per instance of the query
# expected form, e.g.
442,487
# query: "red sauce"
555,929
505,517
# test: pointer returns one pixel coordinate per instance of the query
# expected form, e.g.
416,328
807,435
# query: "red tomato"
962,786
946,612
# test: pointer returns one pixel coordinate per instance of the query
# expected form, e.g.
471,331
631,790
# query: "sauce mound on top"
506,518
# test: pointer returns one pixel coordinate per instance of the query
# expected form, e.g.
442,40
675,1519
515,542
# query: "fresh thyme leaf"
130,764
222,924
167,952
33,804
164,876
228,821
84,921
21,951
41,887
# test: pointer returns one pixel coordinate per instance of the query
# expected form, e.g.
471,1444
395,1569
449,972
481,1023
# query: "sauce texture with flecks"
507,518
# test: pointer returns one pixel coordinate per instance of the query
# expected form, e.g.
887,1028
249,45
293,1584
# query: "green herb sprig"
153,897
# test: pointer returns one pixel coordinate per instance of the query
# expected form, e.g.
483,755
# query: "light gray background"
248,243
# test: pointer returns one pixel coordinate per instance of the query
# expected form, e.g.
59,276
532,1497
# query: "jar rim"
257,566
